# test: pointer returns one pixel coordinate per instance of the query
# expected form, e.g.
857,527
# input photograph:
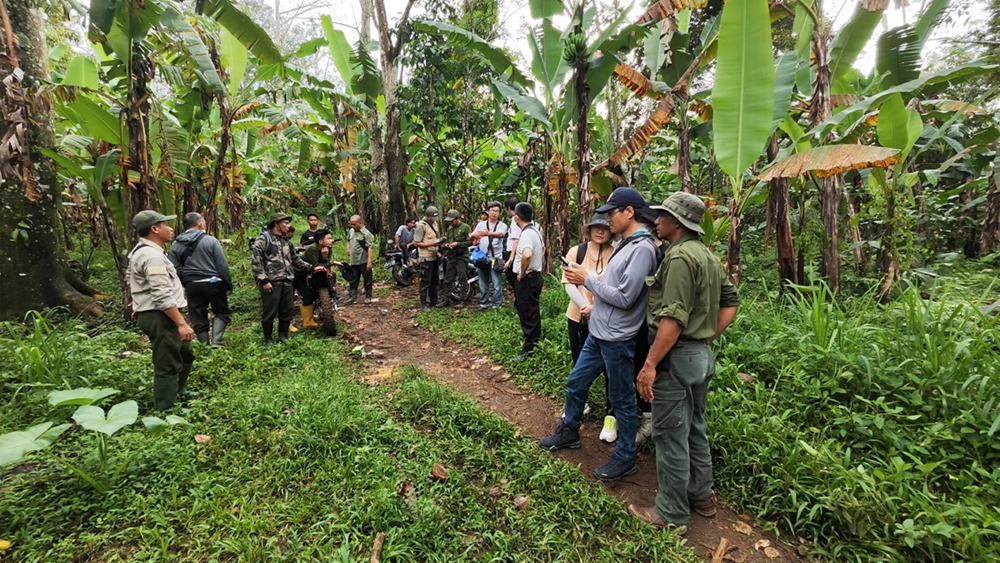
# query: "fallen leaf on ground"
522,501
426,346
771,553
745,377
439,473
413,448
496,368
743,528
761,543
288,411
202,438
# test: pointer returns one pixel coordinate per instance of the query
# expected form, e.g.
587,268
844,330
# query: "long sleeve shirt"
620,295
152,279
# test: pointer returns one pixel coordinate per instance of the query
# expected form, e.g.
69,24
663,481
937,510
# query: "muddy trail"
384,325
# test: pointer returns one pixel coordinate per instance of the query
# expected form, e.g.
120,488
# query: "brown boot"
648,515
703,507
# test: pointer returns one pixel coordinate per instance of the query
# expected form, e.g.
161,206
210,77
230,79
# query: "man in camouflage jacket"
274,266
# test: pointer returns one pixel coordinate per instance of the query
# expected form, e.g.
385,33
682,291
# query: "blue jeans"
615,360
485,276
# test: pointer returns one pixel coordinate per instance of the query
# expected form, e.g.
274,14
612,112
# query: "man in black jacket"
203,269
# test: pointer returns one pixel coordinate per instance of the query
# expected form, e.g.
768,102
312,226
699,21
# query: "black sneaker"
523,356
564,437
615,469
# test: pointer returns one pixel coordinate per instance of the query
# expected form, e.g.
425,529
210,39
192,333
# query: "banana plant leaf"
174,21
497,59
251,35
898,56
826,161
340,50
847,45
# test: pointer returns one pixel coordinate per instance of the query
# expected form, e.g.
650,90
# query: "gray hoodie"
206,261
620,295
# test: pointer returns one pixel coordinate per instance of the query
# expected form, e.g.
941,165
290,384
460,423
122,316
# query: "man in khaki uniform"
157,297
426,238
691,302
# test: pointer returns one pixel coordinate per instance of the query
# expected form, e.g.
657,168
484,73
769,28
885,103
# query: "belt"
688,340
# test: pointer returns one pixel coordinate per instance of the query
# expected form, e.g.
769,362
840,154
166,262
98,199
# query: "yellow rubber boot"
291,328
307,317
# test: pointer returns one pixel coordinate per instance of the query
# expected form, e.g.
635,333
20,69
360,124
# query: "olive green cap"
452,215
687,208
278,217
146,219
431,211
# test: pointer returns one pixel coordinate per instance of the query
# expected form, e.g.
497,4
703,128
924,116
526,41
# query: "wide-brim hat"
277,218
687,208
599,220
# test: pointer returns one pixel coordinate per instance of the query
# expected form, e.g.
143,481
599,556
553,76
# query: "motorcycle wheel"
327,317
403,275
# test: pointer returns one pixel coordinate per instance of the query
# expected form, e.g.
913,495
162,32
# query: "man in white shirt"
513,235
490,233
528,287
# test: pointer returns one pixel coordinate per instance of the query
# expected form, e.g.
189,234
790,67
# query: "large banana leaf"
175,22
743,94
547,63
784,83
525,103
102,13
251,35
853,37
929,20
97,120
898,57
803,29
544,8
341,52
81,72
367,81
233,55
497,59
898,127
830,160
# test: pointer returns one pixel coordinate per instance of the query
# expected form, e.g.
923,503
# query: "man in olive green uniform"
426,238
360,242
274,265
457,239
691,302
157,297
318,255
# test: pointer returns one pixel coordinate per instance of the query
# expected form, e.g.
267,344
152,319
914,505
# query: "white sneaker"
586,411
610,431
645,428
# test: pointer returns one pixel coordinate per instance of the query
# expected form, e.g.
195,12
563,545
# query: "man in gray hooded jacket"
203,269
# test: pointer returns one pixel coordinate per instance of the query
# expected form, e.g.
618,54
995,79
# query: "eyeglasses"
612,212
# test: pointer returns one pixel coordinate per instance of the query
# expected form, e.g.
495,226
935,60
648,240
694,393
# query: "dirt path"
382,326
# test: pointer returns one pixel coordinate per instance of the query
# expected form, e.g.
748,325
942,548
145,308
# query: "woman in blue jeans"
491,235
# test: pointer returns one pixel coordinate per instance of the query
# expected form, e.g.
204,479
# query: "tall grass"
41,353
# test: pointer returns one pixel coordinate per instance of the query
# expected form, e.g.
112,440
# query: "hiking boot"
614,469
648,515
703,507
645,431
610,431
564,437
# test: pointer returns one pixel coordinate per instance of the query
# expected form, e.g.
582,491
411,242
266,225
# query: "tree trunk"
219,177
778,204
820,109
389,159
734,261
33,271
989,238
684,145
583,170
141,187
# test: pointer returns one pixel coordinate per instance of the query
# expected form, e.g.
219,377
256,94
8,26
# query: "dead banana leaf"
636,81
830,160
666,8
954,106
244,110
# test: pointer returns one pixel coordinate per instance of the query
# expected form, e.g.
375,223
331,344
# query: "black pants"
578,333
172,358
308,295
455,269
279,303
527,292
429,282
362,271
201,296
641,351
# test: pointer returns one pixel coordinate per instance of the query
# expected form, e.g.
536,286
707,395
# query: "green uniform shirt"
690,287
461,234
314,255
359,243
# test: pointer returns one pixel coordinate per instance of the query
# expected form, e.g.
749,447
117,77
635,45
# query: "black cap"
622,198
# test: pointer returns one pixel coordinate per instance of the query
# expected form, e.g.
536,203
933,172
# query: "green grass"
872,430
306,463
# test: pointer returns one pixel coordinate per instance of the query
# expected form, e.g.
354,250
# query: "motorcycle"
461,289
400,264
323,281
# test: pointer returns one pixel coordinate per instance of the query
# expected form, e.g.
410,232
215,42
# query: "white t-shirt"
497,242
514,234
531,239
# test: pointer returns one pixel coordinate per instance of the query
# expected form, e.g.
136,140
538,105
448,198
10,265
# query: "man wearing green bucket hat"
157,298
274,264
691,302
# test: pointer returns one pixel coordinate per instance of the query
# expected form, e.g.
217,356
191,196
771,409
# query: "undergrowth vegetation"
304,462
870,429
